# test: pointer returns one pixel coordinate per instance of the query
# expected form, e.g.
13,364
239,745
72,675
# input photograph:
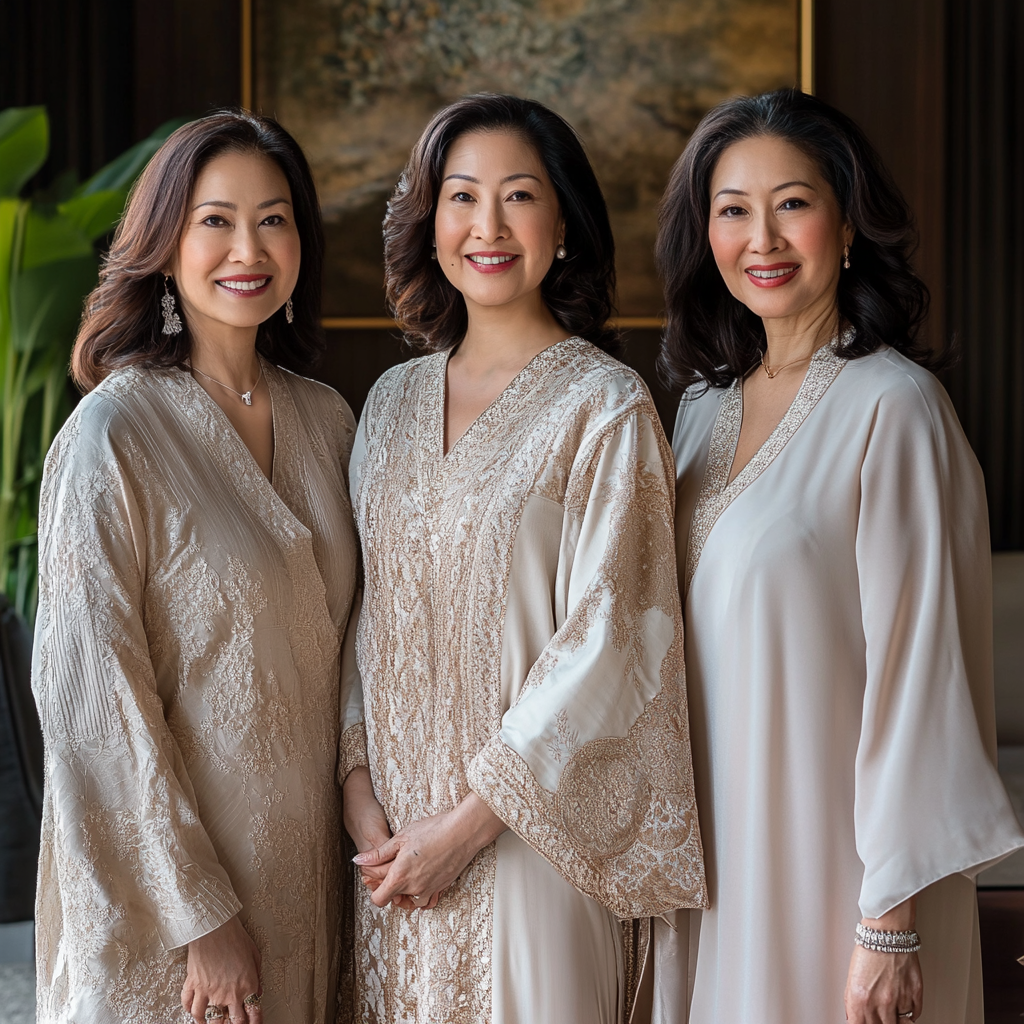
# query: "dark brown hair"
578,290
711,336
123,322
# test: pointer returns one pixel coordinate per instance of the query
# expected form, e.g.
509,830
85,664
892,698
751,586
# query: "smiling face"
775,229
498,220
238,257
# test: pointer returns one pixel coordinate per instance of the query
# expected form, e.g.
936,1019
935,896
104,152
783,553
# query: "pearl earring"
561,252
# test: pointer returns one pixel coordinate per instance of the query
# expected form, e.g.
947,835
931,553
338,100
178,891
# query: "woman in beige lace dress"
197,566
520,711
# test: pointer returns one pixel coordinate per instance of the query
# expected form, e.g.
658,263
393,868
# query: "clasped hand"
428,855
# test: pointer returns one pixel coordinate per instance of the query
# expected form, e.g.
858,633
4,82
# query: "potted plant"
48,264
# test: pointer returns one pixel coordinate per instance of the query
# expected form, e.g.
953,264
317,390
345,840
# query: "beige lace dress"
186,670
521,637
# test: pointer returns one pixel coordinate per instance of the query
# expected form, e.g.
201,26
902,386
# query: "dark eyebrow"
778,188
504,181
231,206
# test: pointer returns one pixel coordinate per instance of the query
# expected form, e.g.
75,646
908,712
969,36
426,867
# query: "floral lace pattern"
186,671
438,531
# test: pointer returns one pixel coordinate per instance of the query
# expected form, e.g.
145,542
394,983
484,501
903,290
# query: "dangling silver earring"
172,322
561,252
289,313
846,257
433,250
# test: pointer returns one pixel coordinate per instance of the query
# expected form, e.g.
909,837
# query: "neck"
509,334
227,354
798,337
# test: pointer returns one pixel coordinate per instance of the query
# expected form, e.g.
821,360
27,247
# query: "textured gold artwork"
357,80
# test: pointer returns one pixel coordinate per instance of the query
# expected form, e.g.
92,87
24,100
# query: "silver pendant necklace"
245,396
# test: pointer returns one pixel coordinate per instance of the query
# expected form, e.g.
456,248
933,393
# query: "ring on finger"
417,899
253,999
214,1013
909,1013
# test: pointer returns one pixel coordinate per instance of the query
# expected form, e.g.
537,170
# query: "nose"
246,246
765,236
490,223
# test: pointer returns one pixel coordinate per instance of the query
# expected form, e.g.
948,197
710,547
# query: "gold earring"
846,257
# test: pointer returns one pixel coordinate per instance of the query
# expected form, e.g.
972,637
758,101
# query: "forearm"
365,820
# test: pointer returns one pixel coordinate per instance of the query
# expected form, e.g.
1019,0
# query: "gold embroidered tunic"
186,670
838,614
521,637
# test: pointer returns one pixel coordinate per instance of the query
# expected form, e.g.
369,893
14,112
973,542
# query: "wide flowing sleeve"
126,839
929,801
592,764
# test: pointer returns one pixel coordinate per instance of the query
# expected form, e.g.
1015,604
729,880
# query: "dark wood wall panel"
882,63
985,212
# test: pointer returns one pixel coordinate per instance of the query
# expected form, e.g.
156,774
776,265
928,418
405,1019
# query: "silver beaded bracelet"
888,942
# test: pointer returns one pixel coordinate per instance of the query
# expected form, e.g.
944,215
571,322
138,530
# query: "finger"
188,993
380,873
393,885
199,1005
433,901
255,1014
380,855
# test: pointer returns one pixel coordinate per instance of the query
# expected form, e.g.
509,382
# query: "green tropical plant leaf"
120,173
96,213
24,143
51,239
46,303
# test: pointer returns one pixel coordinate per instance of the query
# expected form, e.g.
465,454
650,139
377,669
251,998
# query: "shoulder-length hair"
711,336
578,290
122,325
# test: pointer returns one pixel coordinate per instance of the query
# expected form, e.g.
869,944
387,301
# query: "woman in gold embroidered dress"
833,546
197,567
518,719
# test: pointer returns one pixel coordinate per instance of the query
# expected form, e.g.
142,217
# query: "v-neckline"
717,492
507,394
218,435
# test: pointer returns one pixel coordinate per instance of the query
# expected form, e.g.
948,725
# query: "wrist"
900,919
478,824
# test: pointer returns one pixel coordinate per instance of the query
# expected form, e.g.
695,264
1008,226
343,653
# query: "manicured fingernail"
360,858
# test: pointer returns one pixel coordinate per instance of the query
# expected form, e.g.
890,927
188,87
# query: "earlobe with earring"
172,322
561,252
289,312
433,250
846,257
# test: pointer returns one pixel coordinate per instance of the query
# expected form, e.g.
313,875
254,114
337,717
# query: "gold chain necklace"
772,374
245,396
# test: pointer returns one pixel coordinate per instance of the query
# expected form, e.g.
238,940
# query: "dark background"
937,84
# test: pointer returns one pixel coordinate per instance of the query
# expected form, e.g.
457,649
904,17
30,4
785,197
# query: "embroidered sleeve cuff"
352,751
657,870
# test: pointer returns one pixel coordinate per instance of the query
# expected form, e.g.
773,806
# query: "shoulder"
399,379
600,388
897,390
107,417
317,402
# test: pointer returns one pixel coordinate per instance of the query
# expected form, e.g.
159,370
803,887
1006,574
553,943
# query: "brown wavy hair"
712,337
123,320
578,290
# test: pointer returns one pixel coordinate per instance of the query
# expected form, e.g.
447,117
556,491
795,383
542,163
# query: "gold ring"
253,999
214,1013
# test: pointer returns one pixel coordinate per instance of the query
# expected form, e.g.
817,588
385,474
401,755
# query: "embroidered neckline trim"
716,493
